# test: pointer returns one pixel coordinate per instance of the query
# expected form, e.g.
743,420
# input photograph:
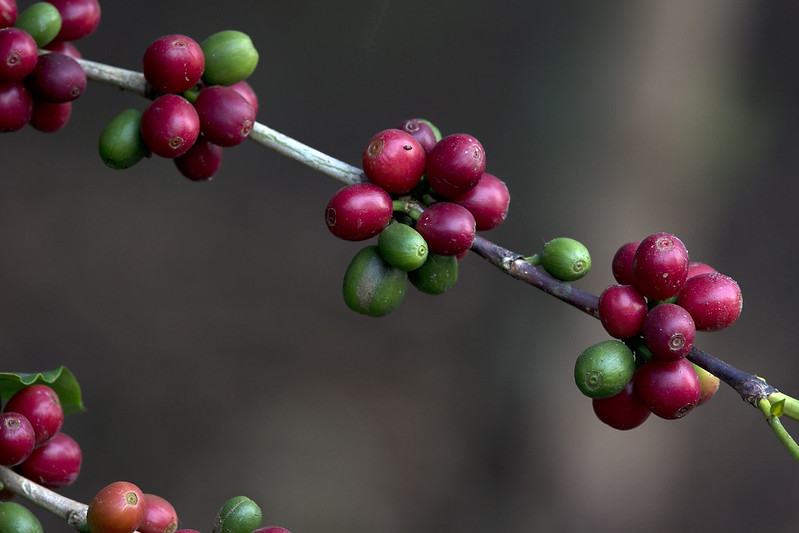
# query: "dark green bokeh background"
205,321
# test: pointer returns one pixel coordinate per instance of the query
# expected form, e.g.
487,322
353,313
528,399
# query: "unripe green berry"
437,275
402,246
566,259
604,369
238,515
371,285
41,20
230,57
121,144
17,518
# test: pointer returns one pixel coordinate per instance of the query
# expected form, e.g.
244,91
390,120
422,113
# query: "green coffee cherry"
566,259
14,517
121,144
41,20
437,275
238,515
402,246
371,285
604,369
230,57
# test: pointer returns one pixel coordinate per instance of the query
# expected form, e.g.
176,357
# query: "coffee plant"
412,215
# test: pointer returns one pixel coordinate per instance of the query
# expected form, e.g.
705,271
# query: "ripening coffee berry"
487,201
660,266
448,228
121,144
622,311
16,518
116,508
455,165
402,246
8,13
237,515
64,47
604,369
41,20
57,78
50,117
437,274
623,410
695,268
16,105
55,464
41,406
371,285
170,125
244,89
18,54
708,384
393,160
159,516
622,265
17,439
79,18
173,63
226,118
230,57
422,131
714,301
670,389
669,331
566,259
358,211
202,160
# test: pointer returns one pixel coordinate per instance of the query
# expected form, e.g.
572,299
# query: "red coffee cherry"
57,78
713,300
42,407
173,63
394,161
50,116
669,388
622,265
244,89
64,47
358,212
202,160
622,311
226,118
159,516
8,13
16,105
660,266
669,331
695,268
79,18
118,508
455,165
56,464
622,411
420,130
17,439
18,54
170,126
448,228
487,201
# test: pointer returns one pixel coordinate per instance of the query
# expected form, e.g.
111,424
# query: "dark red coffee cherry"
18,54
17,439
622,411
660,266
8,13
695,268
455,165
448,228
56,464
159,516
173,63
42,407
669,388
714,301
393,160
202,160
57,78
170,126
226,118
622,265
16,105
622,311
244,89
117,508
487,201
64,47
669,331
359,211
50,116
420,130
79,18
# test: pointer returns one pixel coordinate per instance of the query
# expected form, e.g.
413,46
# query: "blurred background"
205,321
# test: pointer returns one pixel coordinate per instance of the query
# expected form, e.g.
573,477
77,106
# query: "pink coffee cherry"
55,464
670,389
226,118
57,78
358,212
622,265
244,89
447,228
622,311
455,165
17,439
201,161
421,131
170,126
64,47
695,268
18,54
487,201
173,63
42,407
50,117
394,161
8,13
16,105
622,411
660,266
79,18
713,300
159,515
669,331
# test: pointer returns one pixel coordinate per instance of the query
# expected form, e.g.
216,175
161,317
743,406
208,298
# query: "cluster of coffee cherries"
425,198
38,89
201,103
661,300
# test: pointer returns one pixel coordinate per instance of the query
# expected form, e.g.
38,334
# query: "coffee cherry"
230,57
173,63
455,165
159,516
79,18
422,131
669,331
50,117
18,54
358,212
713,300
17,439
237,515
202,160
448,228
41,20
16,105
695,268
487,201
437,275
121,143
41,406
660,266
622,311
604,369
8,13
57,78
393,160
566,259
402,246
226,118
116,508
371,285
622,265
64,47
55,464
244,89
16,518
669,388
170,126
708,384
623,410
272,529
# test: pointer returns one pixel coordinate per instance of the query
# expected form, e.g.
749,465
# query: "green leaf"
61,380
778,407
